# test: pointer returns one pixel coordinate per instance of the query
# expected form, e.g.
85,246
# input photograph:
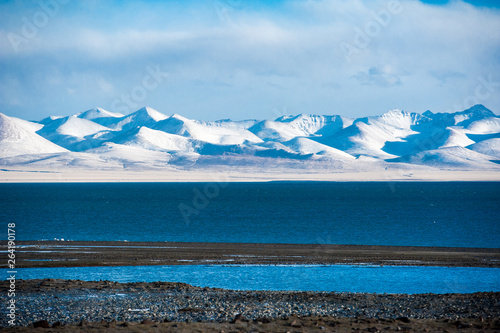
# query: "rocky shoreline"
104,306
72,305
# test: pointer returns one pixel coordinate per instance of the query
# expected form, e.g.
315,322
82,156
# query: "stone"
239,318
42,324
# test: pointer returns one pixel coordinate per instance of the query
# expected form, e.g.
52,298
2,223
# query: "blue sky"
216,59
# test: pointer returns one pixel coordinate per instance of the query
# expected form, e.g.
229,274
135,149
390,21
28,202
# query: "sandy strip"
227,174
75,254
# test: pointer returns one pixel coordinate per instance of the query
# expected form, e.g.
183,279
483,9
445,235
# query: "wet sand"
74,254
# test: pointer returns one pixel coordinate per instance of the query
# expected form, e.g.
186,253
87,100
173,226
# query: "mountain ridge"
395,137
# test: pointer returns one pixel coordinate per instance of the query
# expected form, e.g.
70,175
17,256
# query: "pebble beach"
106,306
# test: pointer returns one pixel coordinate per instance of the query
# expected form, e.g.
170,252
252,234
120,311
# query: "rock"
295,324
147,322
460,324
404,319
42,324
239,318
83,323
263,320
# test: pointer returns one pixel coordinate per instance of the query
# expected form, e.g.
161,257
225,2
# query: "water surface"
337,278
414,213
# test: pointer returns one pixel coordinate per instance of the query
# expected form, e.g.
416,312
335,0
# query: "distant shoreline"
228,174
105,253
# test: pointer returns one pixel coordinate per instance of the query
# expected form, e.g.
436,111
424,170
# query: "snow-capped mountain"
468,139
18,137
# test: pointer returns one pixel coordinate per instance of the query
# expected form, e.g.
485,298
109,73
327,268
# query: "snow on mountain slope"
32,126
456,157
368,136
229,124
130,157
145,116
398,119
456,137
48,120
485,126
96,113
101,116
18,139
490,147
268,130
72,126
151,139
462,118
307,146
315,125
477,112
217,133
73,133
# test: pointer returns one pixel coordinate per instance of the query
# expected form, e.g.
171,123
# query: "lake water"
338,278
413,213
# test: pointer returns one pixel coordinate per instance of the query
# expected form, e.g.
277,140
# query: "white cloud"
252,59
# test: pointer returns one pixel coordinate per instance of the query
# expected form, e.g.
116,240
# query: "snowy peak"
268,130
16,139
9,130
145,116
147,112
400,119
97,113
313,124
72,126
175,124
477,112
223,133
462,118
151,139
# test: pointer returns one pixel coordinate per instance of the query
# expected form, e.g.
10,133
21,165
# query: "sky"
254,59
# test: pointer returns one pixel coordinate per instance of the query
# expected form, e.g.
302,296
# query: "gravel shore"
110,306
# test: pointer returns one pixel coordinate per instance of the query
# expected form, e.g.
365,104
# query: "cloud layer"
238,59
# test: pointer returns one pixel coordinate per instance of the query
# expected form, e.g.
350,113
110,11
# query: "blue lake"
415,213
337,278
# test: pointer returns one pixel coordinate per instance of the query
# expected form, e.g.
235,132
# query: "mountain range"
100,139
